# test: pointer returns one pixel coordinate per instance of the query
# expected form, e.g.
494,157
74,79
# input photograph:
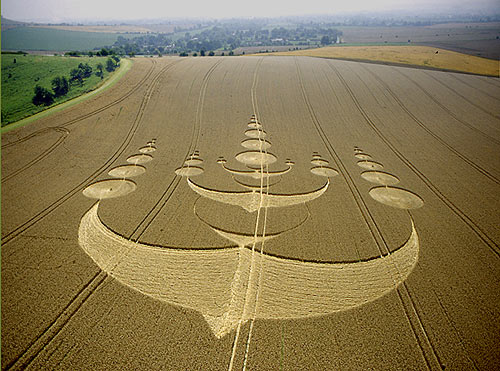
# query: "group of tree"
103,52
43,96
61,85
111,63
77,75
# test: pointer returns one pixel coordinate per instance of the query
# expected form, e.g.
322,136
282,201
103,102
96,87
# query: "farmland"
21,73
258,213
55,40
478,39
424,56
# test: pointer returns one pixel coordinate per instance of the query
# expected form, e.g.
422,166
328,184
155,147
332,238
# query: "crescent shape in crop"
252,200
216,281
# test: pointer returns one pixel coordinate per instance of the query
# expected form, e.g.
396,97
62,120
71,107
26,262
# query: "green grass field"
34,38
19,80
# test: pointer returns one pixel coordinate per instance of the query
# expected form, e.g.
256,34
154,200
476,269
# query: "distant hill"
10,23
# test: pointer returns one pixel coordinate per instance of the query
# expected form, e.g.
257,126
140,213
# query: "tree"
211,54
202,53
75,76
73,54
325,40
110,65
103,52
42,97
60,86
86,70
99,68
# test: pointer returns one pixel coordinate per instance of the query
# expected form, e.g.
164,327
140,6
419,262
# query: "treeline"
103,52
61,85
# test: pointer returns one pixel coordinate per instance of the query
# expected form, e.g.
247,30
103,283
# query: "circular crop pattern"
139,159
256,144
370,165
109,188
254,125
255,133
396,197
189,171
363,156
324,171
193,161
127,171
319,162
379,177
256,158
147,149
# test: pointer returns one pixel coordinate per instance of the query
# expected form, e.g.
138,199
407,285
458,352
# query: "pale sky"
70,10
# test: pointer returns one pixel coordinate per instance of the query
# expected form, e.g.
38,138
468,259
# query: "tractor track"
468,161
131,132
172,186
43,340
474,87
448,111
64,131
426,347
92,113
488,241
462,96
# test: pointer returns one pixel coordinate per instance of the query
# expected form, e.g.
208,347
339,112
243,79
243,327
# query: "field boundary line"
379,62
112,80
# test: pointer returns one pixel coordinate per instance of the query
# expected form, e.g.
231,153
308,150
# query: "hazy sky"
61,10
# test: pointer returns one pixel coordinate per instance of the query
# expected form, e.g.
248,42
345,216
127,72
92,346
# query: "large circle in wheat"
255,125
140,159
324,171
256,144
363,156
319,161
379,177
255,133
256,158
189,171
127,171
109,188
370,165
147,149
193,161
396,197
